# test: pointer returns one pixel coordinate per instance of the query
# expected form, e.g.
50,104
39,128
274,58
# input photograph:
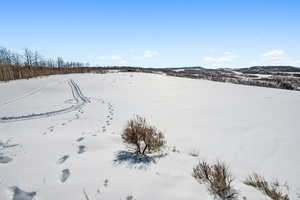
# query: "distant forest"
29,64
34,58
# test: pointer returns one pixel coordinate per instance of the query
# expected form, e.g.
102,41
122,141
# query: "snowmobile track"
78,96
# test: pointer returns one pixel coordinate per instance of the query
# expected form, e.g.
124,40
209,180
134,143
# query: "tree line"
29,64
33,58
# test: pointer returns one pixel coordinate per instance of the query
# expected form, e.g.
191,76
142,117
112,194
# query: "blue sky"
156,33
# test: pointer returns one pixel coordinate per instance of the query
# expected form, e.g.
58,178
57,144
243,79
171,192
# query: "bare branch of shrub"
270,189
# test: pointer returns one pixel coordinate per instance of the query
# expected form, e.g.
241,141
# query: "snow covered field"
60,136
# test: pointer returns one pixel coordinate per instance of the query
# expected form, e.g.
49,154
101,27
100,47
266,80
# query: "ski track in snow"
29,93
80,99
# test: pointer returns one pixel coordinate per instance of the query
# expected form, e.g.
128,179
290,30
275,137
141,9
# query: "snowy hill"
60,136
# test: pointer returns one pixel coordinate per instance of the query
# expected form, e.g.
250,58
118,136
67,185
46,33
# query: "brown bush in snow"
270,189
218,179
142,137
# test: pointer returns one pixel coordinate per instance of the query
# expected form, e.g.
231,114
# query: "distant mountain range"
254,69
268,69
284,77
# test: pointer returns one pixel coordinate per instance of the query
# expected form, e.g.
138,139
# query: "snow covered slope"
60,136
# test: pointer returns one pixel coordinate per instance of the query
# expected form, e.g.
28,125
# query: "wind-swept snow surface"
69,146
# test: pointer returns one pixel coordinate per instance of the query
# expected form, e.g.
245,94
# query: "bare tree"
28,57
16,59
51,62
36,58
60,62
5,56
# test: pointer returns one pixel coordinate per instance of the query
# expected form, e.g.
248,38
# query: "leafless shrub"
270,189
143,137
218,179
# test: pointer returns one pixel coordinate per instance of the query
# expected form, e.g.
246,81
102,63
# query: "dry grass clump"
218,179
142,137
270,189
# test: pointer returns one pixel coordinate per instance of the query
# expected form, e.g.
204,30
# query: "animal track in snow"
81,149
5,159
129,197
8,150
52,128
79,139
65,174
109,116
19,194
105,183
63,159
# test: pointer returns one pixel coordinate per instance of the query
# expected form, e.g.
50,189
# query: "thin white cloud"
116,57
150,53
146,55
209,59
123,61
227,56
273,53
280,60
211,50
110,58
101,58
277,57
227,53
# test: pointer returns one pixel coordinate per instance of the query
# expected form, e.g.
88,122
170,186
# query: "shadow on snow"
136,161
